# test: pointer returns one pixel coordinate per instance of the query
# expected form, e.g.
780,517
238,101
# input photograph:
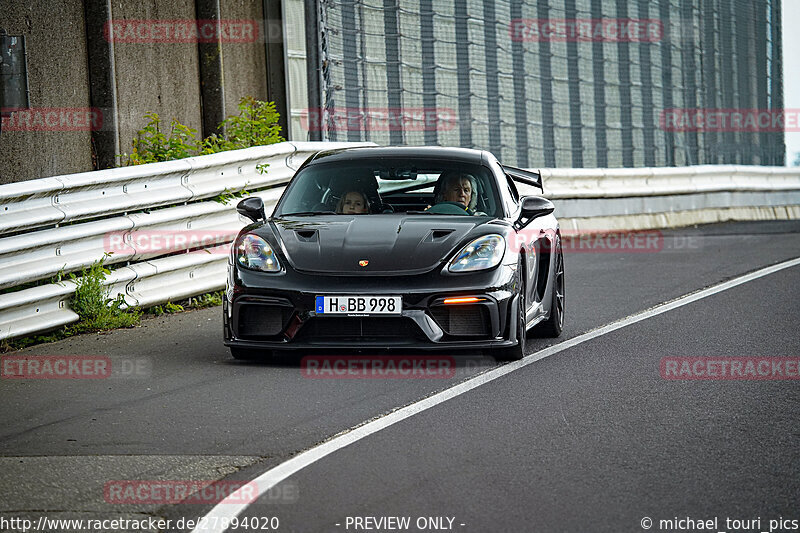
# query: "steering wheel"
449,208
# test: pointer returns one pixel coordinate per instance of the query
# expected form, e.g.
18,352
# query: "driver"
458,188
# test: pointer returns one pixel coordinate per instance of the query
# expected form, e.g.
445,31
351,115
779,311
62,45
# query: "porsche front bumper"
277,311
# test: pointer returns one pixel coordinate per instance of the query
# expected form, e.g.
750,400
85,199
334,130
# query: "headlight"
255,253
482,253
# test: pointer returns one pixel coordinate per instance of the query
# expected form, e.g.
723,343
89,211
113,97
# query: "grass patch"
7,345
167,308
209,299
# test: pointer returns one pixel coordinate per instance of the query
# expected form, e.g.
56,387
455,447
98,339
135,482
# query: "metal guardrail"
35,244
61,199
143,284
638,182
42,254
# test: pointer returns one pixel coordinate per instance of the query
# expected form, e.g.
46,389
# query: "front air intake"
258,320
462,320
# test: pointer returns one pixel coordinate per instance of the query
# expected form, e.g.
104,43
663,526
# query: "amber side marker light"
470,300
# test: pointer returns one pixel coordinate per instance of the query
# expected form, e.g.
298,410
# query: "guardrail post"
102,85
212,92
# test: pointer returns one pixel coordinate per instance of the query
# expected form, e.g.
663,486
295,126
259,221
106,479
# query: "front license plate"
359,305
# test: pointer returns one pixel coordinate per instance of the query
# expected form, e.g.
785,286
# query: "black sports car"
396,248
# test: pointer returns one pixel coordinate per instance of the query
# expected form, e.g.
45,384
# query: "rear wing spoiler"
524,176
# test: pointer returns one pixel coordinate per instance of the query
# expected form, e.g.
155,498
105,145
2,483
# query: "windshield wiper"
308,213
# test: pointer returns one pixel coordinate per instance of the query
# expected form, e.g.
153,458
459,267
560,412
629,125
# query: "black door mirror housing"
533,207
252,208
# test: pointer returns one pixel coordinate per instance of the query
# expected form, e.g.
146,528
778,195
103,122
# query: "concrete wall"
160,77
57,78
243,67
155,77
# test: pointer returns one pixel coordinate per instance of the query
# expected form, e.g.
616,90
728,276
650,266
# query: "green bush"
255,125
91,301
96,311
152,145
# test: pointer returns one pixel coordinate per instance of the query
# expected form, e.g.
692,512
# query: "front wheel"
554,325
515,353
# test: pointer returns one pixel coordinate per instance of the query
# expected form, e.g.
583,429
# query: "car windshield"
376,187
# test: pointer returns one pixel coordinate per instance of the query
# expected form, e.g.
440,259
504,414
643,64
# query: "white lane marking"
223,512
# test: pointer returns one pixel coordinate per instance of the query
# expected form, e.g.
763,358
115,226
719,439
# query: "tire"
247,354
515,353
554,325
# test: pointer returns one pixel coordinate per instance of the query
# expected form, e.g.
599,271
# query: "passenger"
353,203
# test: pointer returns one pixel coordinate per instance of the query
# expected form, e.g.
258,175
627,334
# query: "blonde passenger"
353,203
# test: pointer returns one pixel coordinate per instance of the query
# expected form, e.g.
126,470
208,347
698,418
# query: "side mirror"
534,207
252,208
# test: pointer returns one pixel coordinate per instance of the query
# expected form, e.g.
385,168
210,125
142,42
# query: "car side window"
512,188
513,195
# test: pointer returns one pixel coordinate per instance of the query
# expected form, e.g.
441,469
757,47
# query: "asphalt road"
590,439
